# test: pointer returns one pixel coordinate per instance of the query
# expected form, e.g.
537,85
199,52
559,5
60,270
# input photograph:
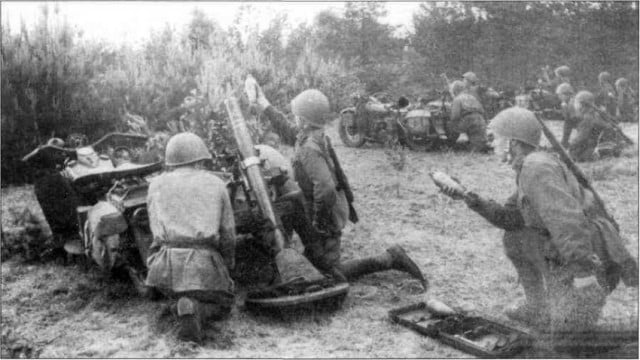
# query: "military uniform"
606,98
625,102
467,117
193,228
571,121
326,209
553,229
591,131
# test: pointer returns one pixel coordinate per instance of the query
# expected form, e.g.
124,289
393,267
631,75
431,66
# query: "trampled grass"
69,312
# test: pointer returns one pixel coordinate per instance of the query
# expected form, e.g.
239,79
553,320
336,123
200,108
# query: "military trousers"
549,283
475,127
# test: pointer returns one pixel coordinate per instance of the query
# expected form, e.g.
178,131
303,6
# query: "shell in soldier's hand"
445,182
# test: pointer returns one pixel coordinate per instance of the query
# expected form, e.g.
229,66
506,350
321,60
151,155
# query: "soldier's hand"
472,199
452,193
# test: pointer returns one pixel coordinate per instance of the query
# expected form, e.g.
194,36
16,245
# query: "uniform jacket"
571,121
193,228
588,131
464,104
315,173
606,97
550,200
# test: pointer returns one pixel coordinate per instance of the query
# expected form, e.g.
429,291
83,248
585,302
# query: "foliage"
509,42
55,83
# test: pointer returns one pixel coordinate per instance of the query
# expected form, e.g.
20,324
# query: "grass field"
51,310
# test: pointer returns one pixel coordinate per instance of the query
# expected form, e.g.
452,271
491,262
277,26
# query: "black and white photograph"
319,179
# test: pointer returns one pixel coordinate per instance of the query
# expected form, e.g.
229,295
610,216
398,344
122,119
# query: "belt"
199,244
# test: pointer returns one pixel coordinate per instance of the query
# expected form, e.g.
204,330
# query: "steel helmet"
564,89
470,76
56,142
621,82
456,87
585,97
562,71
185,148
519,124
312,106
604,76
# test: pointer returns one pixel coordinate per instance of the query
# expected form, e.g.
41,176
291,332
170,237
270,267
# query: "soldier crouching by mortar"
194,241
326,204
566,250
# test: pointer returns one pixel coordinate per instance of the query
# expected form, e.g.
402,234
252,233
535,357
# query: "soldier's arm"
281,125
324,195
546,191
227,231
507,216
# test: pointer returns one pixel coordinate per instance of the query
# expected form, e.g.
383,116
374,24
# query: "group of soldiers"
594,117
190,215
568,255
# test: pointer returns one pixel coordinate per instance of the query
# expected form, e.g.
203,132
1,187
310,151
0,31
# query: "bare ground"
50,310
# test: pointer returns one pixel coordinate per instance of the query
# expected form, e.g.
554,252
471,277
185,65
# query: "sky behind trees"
132,22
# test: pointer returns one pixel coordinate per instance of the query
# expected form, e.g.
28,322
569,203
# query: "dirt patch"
71,312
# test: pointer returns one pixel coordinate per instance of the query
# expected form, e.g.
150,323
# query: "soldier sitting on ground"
325,206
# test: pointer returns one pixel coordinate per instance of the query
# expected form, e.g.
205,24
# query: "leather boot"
395,258
190,326
401,261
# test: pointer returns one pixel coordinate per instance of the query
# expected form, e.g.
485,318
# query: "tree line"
55,82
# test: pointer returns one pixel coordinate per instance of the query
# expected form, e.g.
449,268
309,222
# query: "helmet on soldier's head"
564,89
582,101
518,124
621,82
56,142
562,71
185,148
312,106
604,76
456,87
585,97
470,77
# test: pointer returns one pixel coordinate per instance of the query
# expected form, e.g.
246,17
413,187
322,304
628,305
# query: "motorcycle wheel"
349,132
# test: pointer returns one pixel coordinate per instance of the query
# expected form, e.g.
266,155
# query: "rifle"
580,176
343,183
611,123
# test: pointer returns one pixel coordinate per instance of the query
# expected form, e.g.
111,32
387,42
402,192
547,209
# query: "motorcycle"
420,126
109,203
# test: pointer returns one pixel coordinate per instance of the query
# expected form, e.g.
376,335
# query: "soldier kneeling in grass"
567,252
193,228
